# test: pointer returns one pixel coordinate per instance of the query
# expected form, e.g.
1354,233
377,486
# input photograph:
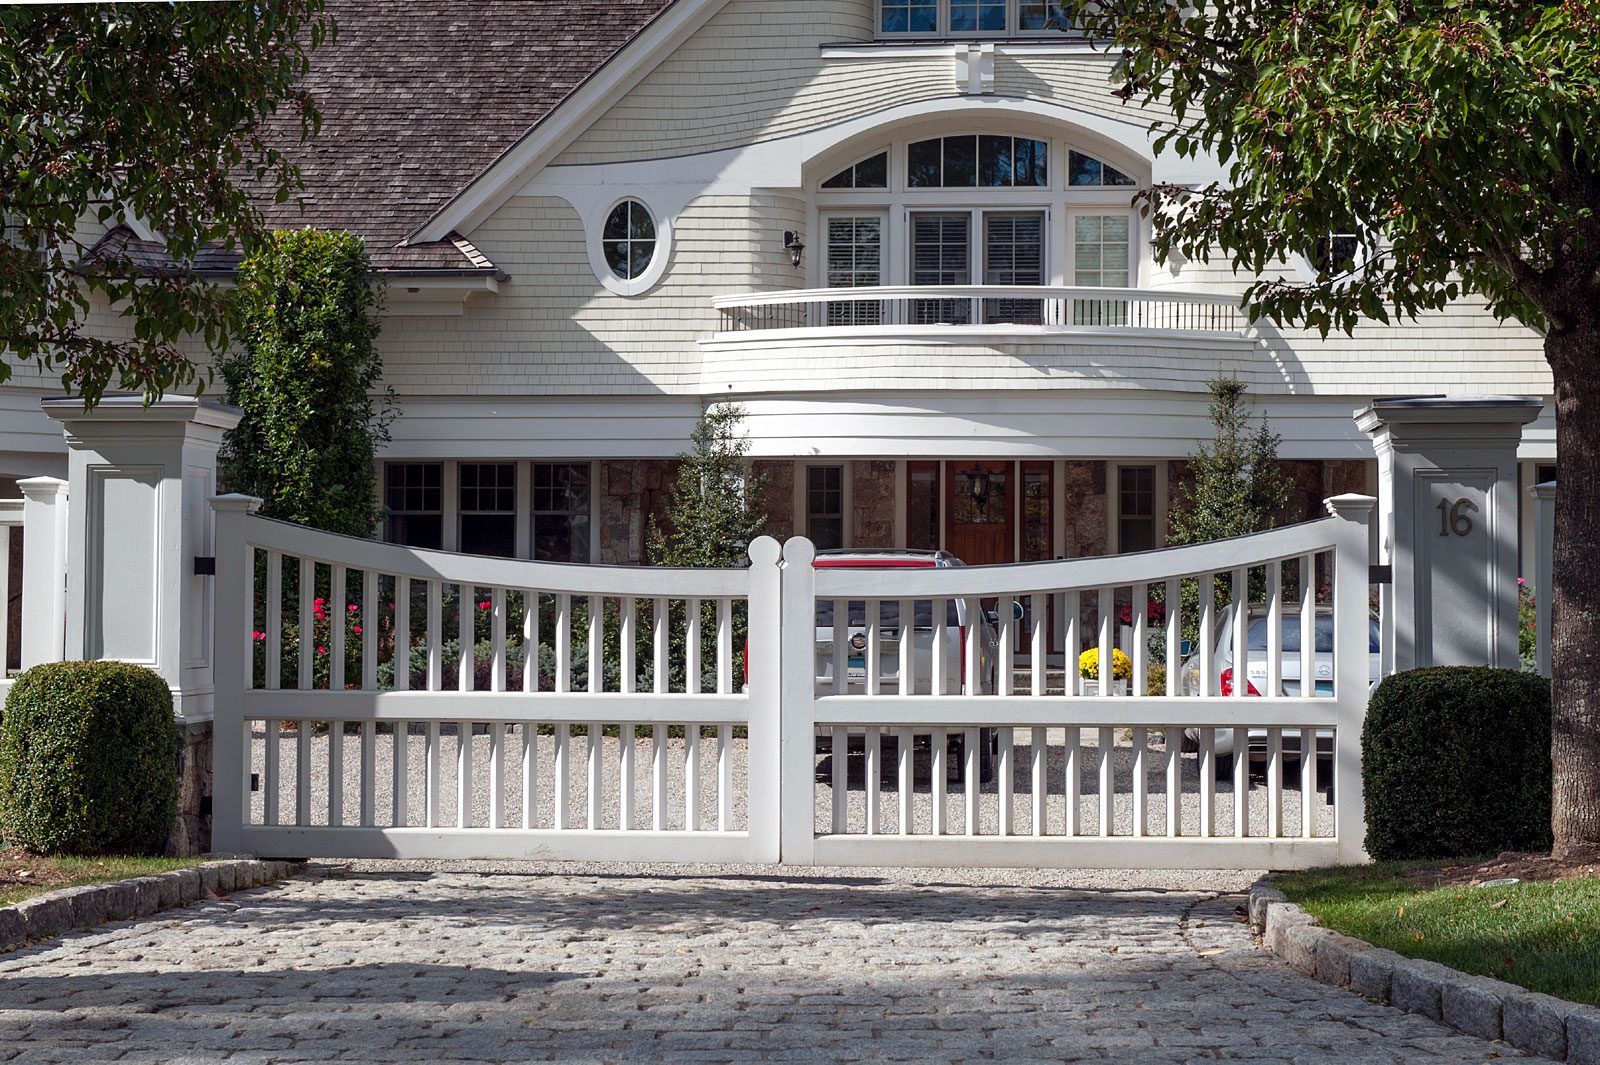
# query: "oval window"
629,238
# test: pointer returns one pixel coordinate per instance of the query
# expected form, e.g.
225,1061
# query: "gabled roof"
417,100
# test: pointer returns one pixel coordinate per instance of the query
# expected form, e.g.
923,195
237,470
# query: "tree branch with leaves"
159,113
1459,141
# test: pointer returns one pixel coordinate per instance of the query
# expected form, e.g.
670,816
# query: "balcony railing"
1055,307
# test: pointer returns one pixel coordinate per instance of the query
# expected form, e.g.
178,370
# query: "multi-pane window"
941,254
977,161
1013,254
1102,248
561,494
989,17
487,493
1087,171
922,505
1136,508
629,239
870,173
855,259
910,16
413,492
977,16
825,506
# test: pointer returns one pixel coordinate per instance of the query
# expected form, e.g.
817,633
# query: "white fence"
1091,778
33,594
346,668
374,701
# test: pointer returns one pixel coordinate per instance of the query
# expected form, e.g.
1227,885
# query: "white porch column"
1447,520
141,477
1544,524
44,569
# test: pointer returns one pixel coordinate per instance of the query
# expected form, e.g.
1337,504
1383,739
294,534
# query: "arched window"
870,173
629,239
1087,171
977,161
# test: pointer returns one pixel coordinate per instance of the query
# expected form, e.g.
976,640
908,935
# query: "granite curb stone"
1475,1005
47,916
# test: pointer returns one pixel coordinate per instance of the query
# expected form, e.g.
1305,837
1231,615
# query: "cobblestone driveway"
451,966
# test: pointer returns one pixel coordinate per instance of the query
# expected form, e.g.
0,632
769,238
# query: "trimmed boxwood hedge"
88,760
1456,762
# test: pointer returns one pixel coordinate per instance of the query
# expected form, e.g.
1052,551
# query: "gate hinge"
1380,574
205,565
255,781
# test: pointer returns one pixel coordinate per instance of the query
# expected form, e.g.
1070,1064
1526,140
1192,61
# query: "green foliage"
1457,139
1234,485
1538,935
1527,627
156,112
305,382
88,760
717,506
1456,761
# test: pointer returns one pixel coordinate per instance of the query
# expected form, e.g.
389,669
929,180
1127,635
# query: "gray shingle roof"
417,99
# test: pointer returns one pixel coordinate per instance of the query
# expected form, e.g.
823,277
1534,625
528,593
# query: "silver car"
1290,680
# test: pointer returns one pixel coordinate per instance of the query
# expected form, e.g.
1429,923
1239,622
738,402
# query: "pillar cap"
42,487
130,407
1448,410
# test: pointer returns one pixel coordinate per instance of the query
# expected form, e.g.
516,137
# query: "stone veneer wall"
779,496
1084,508
872,503
632,491
191,832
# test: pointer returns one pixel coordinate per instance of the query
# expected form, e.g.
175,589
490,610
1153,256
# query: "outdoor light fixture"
978,484
792,242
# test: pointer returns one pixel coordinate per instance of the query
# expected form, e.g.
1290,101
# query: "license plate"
856,669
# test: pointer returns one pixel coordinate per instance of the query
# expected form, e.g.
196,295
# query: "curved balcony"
992,311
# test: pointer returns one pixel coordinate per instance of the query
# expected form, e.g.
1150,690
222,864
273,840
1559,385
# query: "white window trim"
594,232
802,502
1135,257
1114,501
1058,201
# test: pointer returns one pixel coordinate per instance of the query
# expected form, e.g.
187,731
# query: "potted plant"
1089,672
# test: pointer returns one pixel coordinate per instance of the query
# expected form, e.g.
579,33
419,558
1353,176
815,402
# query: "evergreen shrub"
88,760
1456,762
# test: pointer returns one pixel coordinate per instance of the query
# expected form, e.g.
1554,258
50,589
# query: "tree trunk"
1574,354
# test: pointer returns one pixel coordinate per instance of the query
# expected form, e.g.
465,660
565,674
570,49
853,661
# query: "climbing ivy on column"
308,383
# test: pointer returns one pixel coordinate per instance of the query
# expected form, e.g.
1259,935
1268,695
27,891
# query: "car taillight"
1225,682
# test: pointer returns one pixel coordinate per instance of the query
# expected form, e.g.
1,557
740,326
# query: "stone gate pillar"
139,545
1447,525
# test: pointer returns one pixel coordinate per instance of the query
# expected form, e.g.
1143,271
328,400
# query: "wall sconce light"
794,246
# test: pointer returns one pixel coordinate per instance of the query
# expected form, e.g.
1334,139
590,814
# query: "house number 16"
1453,517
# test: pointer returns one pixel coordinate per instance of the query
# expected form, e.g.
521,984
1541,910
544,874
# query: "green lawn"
52,874
1543,936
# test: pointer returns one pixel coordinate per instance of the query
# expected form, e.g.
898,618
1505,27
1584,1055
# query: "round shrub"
88,760
1456,762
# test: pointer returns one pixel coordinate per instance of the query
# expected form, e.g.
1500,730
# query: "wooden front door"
980,512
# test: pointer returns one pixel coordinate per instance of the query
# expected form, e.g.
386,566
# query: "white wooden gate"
380,701
1086,777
